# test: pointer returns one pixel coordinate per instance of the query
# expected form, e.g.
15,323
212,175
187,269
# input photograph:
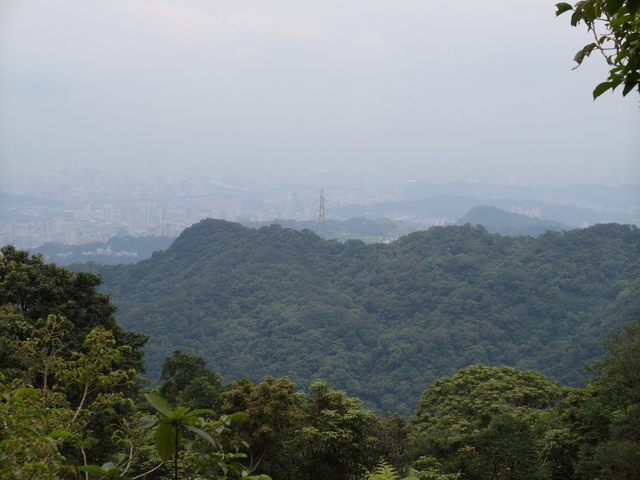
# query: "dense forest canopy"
72,406
381,321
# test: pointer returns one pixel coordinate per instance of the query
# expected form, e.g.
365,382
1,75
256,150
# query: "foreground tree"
32,292
454,420
35,289
338,439
507,448
615,25
274,416
604,418
44,434
324,434
189,383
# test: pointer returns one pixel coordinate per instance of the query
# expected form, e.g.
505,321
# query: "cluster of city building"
90,206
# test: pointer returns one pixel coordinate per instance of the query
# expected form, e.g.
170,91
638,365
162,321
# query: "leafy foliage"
212,461
605,417
336,441
618,42
37,289
46,435
65,400
467,419
43,432
295,437
273,417
187,382
384,471
507,448
380,321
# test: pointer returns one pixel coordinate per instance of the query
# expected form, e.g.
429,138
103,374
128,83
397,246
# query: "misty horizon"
343,92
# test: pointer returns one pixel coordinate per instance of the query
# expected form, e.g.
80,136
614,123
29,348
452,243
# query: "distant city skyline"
338,92
88,205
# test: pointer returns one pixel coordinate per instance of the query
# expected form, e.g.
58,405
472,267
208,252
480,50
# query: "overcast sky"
474,90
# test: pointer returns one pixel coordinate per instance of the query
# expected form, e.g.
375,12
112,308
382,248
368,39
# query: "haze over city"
313,92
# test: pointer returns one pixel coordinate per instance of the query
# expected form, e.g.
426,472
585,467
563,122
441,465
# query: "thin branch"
133,449
84,456
150,471
79,409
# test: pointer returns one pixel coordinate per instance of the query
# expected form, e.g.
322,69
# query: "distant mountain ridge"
116,250
8,200
380,321
496,220
129,249
439,204
446,209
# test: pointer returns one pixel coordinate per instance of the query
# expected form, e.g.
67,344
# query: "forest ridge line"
380,321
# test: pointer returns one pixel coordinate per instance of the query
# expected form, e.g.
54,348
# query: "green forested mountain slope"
380,321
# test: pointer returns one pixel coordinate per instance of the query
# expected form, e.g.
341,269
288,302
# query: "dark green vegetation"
380,321
37,289
615,25
70,409
129,249
366,229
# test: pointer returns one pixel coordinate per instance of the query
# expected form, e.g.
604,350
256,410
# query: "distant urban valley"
100,214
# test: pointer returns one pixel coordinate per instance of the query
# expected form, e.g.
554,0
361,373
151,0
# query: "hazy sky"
472,89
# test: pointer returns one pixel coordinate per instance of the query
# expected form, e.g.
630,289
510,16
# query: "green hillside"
380,321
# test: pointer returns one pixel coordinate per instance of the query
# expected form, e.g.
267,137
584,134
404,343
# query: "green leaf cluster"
497,422
384,471
36,289
323,434
615,25
47,426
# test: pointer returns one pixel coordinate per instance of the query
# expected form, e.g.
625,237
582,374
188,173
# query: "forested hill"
381,321
500,221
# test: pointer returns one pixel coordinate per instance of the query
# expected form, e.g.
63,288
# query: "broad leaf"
629,86
563,7
93,469
584,52
202,411
159,404
203,434
576,17
600,89
58,434
146,422
166,441
612,6
237,416
633,6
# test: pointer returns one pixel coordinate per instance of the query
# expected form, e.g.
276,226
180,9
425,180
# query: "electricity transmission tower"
321,219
